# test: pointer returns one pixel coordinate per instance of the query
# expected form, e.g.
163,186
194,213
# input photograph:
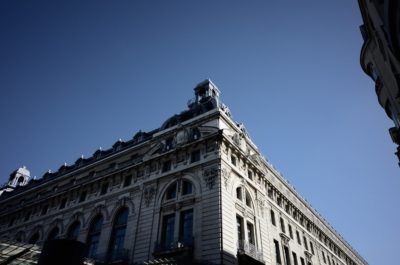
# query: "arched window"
53,233
176,227
116,247
246,224
73,231
93,238
34,238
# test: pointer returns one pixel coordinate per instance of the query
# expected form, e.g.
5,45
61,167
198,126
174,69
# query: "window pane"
94,236
248,199
118,235
186,226
167,233
239,193
186,187
277,252
171,192
250,233
239,224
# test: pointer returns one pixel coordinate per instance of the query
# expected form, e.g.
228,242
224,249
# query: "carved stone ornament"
308,255
261,201
226,174
285,239
149,193
209,176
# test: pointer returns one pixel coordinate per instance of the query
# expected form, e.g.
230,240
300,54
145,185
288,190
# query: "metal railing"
185,243
250,249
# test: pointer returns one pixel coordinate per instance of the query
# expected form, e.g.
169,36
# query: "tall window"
186,226
273,218
93,238
287,255
282,225
53,233
290,231
250,233
116,246
176,228
73,231
294,258
167,232
305,242
298,237
240,230
277,252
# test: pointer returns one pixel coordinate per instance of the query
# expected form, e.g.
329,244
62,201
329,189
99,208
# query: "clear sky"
79,75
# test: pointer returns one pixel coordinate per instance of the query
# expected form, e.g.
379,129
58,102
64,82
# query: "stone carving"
226,174
209,176
149,193
236,139
285,239
261,201
181,137
308,255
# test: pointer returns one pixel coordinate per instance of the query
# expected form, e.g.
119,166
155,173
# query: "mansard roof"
204,102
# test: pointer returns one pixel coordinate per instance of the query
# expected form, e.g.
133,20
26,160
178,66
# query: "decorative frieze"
209,176
148,194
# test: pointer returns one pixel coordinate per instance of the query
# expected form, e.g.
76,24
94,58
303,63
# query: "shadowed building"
194,191
380,56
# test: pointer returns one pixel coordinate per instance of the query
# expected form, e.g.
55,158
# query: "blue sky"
79,75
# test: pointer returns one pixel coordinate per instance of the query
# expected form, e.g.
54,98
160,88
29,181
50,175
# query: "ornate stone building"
380,56
194,191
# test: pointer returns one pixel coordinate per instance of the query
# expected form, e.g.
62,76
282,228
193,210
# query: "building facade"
194,191
380,56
